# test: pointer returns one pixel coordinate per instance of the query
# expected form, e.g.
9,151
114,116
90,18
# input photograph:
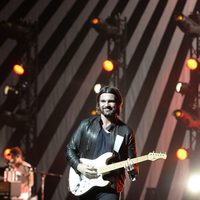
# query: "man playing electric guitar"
89,146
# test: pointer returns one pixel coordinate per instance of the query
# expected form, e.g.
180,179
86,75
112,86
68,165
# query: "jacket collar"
111,126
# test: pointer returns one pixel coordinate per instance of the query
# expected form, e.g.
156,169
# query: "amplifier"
11,189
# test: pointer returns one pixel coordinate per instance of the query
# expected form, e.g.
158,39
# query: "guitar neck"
121,164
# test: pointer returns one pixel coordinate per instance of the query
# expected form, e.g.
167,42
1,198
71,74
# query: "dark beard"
110,113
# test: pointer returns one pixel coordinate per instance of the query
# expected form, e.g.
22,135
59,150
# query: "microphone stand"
43,177
42,185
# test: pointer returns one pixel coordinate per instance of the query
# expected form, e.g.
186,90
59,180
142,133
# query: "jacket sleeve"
132,153
73,147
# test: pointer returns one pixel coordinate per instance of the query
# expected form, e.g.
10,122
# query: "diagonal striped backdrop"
69,55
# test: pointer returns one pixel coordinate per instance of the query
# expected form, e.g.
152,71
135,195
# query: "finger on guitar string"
129,165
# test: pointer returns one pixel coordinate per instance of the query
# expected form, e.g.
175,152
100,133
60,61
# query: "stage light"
192,63
107,27
13,91
108,65
93,113
187,119
95,21
182,153
10,90
184,117
97,88
6,154
18,69
193,183
187,25
178,114
179,18
183,88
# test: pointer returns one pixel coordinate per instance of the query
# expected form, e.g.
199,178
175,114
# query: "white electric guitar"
79,184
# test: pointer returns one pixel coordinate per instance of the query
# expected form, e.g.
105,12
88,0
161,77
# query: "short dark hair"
111,90
16,151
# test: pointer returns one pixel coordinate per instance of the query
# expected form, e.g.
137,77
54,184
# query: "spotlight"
18,69
95,21
10,90
93,113
108,27
182,153
186,119
97,88
183,117
6,154
192,63
187,25
183,88
178,114
108,65
193,184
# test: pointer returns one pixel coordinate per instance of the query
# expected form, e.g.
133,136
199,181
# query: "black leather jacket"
83,141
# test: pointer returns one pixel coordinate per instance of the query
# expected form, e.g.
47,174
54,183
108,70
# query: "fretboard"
121,164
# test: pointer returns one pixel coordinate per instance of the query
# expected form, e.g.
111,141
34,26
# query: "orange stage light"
178,113
18,69
95,21
180,18
108,65
192,64
182,153
6,154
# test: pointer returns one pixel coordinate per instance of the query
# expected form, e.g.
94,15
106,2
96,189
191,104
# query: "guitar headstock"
155,156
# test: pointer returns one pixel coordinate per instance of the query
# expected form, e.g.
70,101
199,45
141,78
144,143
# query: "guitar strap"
118,142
